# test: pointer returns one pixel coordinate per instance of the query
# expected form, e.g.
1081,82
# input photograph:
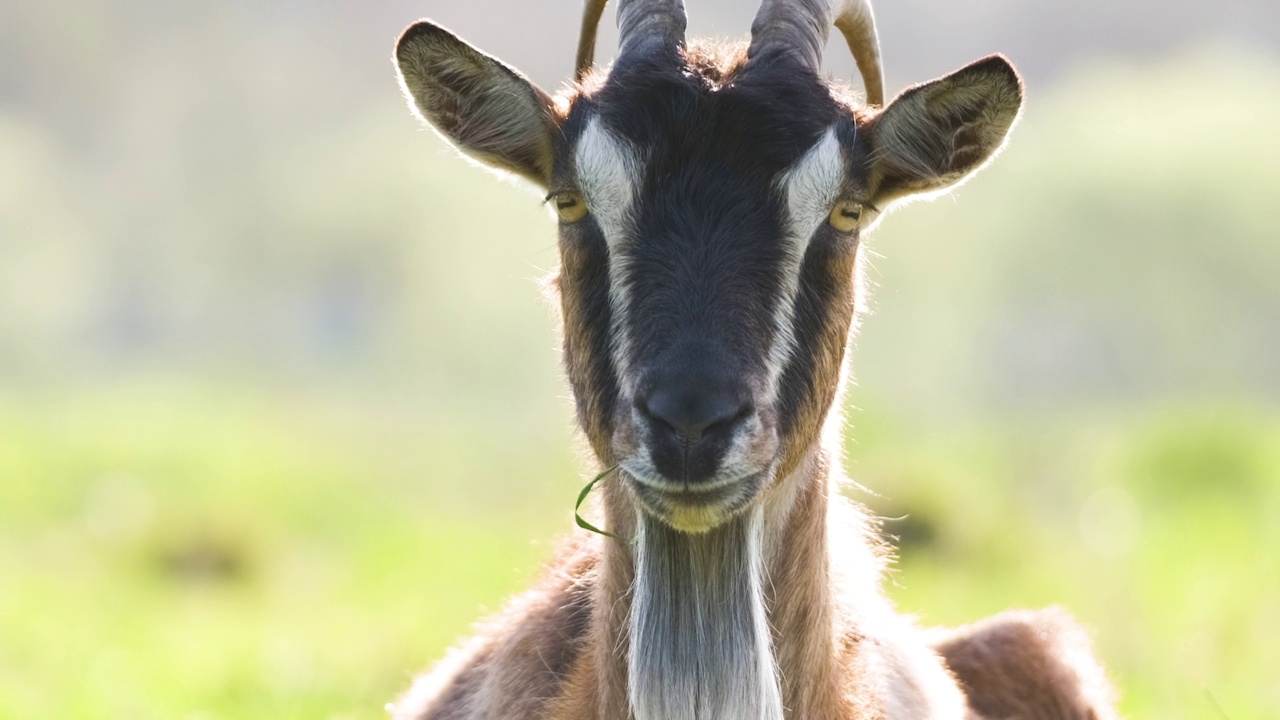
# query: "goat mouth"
696,507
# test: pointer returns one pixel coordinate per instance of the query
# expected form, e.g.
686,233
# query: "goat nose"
691,413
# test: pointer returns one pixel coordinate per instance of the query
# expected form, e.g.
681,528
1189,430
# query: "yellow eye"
845,216
571,207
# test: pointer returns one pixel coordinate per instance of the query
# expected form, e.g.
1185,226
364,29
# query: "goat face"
705,286
710,211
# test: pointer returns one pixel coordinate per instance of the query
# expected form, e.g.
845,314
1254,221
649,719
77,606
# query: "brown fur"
1023,664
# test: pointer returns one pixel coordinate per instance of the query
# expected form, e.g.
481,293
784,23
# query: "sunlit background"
280,409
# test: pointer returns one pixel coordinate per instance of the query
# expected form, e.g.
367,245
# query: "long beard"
700,639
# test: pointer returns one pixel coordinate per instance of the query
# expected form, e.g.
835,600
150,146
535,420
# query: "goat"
711,203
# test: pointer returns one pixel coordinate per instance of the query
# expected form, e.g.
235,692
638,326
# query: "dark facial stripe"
708,250
706,269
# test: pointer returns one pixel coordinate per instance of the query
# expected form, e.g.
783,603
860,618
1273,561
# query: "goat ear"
482,106
936,134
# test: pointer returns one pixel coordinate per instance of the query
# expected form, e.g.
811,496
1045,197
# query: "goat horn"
587,37
857,23
640,22
798,29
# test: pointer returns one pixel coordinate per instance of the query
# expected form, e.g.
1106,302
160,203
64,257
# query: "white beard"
700,638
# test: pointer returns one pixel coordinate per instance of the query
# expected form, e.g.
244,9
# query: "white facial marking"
811,187
738,463
608,175
609,172
639,464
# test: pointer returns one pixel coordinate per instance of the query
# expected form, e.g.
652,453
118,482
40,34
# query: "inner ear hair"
482,106
936,134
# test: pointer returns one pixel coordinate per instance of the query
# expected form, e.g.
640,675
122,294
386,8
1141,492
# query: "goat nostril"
692,414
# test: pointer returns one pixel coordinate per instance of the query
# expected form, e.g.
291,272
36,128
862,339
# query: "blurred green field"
226,553
279,408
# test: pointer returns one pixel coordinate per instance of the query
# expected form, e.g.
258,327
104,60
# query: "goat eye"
845,216
571,207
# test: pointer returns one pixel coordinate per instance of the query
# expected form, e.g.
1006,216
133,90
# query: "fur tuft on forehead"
716,63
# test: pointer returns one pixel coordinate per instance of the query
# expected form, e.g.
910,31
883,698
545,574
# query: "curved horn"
640,22
798,28
858,25
587,37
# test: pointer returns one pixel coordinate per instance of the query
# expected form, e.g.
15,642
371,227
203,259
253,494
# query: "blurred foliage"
280,414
